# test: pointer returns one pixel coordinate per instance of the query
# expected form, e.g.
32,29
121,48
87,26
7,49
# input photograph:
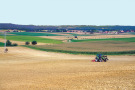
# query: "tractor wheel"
100,60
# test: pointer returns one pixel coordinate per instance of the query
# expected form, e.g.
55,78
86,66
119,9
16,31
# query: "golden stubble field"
26,69
88,37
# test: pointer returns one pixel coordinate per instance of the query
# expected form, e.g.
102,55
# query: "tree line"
62,28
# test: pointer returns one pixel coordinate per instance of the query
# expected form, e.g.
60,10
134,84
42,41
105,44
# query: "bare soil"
26,69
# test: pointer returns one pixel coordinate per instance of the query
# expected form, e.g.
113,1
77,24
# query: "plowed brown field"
92,46
26,69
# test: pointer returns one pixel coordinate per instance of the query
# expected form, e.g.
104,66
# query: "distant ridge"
63,27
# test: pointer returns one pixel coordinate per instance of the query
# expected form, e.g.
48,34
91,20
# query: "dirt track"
26,69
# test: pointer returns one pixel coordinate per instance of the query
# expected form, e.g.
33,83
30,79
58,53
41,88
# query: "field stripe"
87,53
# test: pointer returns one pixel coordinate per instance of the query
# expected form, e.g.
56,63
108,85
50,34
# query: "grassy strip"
87,53
32,38
109,39
1,44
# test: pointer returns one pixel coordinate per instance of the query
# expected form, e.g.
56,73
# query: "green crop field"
32,34
75,34
91,47
108,39
32,38
1,44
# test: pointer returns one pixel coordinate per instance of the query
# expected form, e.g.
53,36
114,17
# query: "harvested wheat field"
105,36
58,37
26,69
88,37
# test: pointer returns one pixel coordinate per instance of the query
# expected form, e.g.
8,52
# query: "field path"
27,69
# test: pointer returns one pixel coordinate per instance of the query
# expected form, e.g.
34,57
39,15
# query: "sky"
68,12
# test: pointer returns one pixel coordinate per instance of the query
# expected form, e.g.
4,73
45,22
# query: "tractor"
101,58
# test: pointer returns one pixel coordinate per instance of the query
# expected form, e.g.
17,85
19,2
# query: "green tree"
34,42
27,43
15,44
8,43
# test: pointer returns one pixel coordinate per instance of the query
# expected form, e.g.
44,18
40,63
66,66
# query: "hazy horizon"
68,12
66,25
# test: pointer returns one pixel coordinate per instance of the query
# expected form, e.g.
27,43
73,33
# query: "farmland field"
86,38
78,34
27,69
32,38
91,47
83,38
132,33
48,34
30,69
32,34
132,39
106,44
58,37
